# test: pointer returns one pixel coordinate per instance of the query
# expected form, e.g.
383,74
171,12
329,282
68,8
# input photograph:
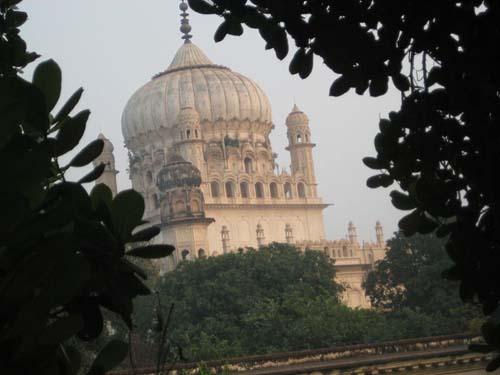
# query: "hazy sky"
112,47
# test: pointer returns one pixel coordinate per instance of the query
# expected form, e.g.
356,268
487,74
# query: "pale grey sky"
112,47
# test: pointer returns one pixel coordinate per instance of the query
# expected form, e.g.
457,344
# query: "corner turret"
300,147
107,158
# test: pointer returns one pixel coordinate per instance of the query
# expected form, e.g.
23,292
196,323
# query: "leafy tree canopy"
441,146
272,300
409,277
63,251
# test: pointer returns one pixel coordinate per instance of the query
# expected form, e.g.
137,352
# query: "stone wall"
434,355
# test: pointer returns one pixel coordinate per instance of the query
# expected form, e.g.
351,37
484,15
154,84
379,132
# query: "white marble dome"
192,80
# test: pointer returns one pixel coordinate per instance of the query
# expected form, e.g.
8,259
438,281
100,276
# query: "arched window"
326,251
229,189
301,189
149,177
245,193
196,133
339,253
188,134
259,190
307,138
299,138
155,201
214,188
273,189
248,165
344,251
179,207
288,190
201,253
185,254
195,206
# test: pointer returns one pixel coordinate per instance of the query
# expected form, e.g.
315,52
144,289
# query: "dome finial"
185,26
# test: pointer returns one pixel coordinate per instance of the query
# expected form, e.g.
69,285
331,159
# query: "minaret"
351,231
300,147
379,232
109,175
189,139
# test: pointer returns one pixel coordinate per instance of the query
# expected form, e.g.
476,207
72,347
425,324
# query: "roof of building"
193,80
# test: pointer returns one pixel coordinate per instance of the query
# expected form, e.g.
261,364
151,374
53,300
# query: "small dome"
297,117
192,80
178,173
188,117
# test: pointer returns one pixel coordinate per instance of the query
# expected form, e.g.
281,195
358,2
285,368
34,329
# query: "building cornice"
271,206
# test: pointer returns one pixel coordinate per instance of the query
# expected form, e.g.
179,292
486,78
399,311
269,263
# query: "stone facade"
201,119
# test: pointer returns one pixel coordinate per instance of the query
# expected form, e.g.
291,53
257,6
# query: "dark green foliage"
409,277
62,251
441,146
272,300
243,303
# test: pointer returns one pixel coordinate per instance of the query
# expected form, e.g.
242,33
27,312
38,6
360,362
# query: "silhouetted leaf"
94,175
152,251
127,210
69,105
15,18
88,154
234,27
47,77
297,61
221,32
145,234
110,356
101,193
426,225
71,132
201,6
379,180
126,265
401,82
409,223
340,86
402,201
373,163
378,85
92,319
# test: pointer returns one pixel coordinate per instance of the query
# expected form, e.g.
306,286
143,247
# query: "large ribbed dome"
192,80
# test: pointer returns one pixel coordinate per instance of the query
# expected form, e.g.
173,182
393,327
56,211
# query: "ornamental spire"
185,26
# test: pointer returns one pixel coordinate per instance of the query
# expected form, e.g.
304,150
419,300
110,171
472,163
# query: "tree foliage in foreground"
273,300
62,250
409,277
441,146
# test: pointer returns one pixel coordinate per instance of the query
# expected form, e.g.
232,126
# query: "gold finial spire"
185,26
